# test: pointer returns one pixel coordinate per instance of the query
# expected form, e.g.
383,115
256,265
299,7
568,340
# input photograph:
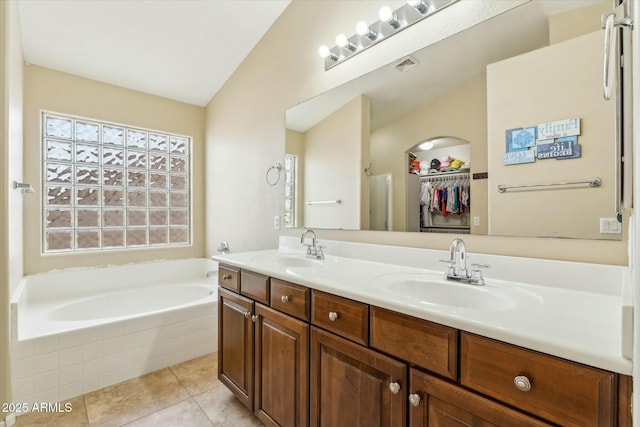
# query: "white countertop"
575,320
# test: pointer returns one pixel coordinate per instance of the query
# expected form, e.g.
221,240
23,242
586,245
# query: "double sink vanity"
370,335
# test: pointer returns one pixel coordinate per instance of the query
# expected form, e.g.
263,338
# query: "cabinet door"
437,403
235,344
351,385
282,369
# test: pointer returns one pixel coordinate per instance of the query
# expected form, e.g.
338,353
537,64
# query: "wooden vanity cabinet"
263,354
352,385
363,366
236,344
281,369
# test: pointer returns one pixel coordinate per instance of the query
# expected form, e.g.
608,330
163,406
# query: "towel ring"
277,167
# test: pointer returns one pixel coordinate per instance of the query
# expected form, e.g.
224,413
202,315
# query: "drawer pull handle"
284,298
226,277
522,383
247,314
394,388
254,318
414,399
333,316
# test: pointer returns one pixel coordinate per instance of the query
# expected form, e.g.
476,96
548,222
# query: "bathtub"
79,330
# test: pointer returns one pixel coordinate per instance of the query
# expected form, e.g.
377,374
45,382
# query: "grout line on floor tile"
159,410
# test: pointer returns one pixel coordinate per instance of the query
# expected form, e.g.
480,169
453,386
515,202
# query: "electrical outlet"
610,226
476,221
276,222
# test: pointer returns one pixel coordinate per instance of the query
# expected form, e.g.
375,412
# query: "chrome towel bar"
593,182
324,202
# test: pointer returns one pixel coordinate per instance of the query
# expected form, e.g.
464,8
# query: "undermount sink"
434,292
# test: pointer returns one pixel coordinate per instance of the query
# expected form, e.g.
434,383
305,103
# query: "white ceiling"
178,49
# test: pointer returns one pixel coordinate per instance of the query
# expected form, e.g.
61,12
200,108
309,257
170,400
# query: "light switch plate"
610,226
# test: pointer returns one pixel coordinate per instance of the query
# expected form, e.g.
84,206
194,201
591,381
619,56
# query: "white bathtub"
78,330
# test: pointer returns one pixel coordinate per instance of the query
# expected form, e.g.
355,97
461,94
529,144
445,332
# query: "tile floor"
185,395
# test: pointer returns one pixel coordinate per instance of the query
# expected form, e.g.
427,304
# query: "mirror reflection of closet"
438,186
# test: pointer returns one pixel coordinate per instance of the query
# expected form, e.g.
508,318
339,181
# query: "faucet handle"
450,267
476,273
478,266
320,251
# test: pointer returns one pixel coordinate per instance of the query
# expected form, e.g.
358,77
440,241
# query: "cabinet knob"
226,277
284,298
522,383
247,314
333,316
394,387
414,399
254,318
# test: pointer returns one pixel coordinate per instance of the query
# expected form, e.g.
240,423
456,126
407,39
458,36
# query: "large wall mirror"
454,137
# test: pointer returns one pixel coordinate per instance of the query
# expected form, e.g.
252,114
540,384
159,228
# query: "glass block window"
109,186
289,191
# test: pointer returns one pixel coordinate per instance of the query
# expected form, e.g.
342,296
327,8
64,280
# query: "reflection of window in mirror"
290,191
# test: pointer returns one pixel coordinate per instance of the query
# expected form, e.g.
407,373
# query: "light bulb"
324,51
426,146
341,40
362,29
387,15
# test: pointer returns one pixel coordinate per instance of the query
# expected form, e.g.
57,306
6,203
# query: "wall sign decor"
520,146
518,157
560,128
576,148
555,150
520,139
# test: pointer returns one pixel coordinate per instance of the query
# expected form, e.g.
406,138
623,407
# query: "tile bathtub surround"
187,394
60,367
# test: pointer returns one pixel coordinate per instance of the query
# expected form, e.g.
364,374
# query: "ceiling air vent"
406,64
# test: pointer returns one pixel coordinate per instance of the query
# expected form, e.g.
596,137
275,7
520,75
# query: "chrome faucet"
224,247
458,254
313,250
457,269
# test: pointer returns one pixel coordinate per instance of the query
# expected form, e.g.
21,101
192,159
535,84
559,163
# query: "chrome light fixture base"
403,17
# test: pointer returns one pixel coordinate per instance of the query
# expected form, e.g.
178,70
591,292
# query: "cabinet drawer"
229,277
560,391
255,286
419,342
341,315
436,402
291,299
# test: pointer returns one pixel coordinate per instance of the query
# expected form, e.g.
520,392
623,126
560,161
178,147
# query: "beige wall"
246,120
332,148
531,89
460,113
54,91
566,25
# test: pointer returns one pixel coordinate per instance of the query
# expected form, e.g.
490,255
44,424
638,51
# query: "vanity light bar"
390,23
